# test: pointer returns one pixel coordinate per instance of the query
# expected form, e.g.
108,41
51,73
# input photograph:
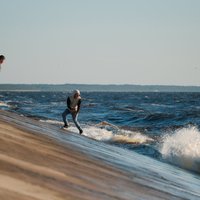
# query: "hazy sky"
100,41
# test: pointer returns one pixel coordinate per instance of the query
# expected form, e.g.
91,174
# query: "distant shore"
34,165
98,88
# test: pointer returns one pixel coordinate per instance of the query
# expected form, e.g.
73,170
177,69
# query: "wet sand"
34,165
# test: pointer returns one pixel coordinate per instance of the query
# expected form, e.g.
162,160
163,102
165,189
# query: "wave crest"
183,148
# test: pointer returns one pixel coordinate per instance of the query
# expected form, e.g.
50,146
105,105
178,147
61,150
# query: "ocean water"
163,126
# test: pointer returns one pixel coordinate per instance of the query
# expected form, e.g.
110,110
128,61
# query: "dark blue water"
164,126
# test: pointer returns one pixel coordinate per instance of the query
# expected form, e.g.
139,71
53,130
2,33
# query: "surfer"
73,107
2,58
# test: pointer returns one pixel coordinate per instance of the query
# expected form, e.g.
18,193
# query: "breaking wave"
182,148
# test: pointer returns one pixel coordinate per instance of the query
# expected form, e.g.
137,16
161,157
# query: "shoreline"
39,161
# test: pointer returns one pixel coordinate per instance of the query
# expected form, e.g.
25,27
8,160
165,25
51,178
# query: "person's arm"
79,105
68,103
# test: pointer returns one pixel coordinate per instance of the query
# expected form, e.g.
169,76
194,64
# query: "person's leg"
75,117
64,116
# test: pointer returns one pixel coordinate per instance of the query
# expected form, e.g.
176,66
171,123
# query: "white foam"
3,104
183,148
97,133
107,133
119,136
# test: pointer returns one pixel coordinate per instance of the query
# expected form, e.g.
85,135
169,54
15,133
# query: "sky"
145,42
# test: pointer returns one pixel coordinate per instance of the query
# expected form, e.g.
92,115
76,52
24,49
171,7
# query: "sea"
164,126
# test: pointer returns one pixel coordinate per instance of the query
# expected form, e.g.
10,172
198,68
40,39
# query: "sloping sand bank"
40,162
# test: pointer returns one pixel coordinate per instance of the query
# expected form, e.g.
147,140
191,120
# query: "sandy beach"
34,165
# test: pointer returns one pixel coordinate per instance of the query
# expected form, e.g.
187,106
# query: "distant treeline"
97,88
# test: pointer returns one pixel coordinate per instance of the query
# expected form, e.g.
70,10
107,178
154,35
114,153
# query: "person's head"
2,58
76,94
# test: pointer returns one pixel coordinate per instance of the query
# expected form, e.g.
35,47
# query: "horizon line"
102,84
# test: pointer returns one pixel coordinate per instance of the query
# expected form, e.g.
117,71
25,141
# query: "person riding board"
73,108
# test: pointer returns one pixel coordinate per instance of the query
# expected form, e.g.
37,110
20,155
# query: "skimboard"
67,130
64,128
